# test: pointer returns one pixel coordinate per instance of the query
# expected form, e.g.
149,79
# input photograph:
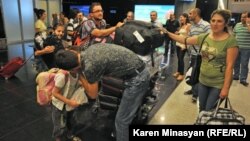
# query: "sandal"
176,74
180,77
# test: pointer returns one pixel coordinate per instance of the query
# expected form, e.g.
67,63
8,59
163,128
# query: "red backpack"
45,84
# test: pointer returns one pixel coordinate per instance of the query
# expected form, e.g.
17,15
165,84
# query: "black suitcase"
139,36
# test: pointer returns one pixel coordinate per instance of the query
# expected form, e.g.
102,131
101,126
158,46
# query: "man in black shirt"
172,26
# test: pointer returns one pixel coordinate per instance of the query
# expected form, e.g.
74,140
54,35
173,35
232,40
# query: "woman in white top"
181,48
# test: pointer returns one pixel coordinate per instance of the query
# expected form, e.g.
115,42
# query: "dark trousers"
172,46
195,86
180,55
63,122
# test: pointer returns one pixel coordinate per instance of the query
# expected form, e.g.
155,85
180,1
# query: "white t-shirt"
66,89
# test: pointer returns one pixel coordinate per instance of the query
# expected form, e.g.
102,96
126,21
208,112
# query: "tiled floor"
21,119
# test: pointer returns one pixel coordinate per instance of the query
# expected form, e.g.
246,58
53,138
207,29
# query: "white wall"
11,20
50,6
183,7
27,19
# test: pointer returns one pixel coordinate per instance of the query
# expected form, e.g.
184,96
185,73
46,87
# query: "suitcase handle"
227,103
28,58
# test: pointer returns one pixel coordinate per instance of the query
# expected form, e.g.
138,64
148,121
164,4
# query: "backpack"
80,43
139,36
45,84
77,35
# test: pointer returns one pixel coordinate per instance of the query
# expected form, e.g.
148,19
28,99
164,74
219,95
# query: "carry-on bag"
111,93
220,115
13,66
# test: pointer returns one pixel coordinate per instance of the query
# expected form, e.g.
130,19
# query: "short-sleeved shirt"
67,85
108,59
157,23
242,35
73,23
40,25
89,26
212,71
197,29
172,25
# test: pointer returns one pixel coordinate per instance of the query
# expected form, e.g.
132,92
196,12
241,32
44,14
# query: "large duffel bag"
139,36
220,116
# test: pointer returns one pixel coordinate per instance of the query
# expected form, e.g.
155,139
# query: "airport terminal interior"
22,119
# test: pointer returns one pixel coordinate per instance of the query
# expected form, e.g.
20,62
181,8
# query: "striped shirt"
197,29
242,36
73,23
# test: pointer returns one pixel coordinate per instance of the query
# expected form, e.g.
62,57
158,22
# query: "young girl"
63,104
51,45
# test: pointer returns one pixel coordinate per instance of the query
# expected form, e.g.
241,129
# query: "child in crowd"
48,47
67,95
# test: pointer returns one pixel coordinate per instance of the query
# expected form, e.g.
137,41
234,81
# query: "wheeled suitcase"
9,69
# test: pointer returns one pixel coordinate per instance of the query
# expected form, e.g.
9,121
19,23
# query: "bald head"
195,15
130,15
198,12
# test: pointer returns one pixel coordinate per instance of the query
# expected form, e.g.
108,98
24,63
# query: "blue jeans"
135,90
237,66
62,121
244,60
195,90
208,97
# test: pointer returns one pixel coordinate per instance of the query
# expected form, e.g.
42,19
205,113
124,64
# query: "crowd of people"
225,57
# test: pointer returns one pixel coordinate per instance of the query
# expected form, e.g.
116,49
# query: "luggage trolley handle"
227,103
26,60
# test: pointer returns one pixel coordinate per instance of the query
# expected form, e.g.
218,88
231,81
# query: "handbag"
192,77
220,115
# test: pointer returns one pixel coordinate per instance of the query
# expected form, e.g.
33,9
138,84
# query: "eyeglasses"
97,11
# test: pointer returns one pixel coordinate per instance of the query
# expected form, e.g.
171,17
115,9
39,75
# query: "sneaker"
189,92
113,135
74,138
194,99
244,83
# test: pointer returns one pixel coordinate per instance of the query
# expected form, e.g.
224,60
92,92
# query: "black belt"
134,73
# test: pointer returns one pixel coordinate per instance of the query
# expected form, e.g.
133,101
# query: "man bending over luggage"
115,61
